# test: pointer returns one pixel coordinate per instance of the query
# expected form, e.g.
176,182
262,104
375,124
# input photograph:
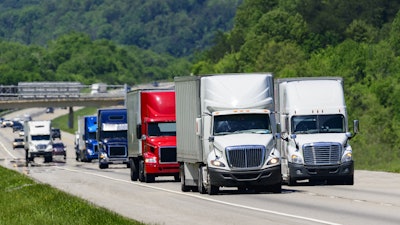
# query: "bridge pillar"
71,117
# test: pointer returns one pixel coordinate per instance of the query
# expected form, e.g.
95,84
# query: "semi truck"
226,133
314,143
87,147
112,136
152,134
38,140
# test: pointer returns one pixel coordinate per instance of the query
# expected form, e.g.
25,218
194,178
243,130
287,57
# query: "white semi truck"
313,119
225,133
38,140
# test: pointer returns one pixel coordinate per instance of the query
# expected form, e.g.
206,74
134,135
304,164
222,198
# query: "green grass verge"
23,201
62,121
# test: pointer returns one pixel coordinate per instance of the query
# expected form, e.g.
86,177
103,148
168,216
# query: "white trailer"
38,140
314,142
225,133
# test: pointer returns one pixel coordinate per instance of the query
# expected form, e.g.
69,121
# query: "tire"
103,166
200,185
141,171
211,189
184,188
134,171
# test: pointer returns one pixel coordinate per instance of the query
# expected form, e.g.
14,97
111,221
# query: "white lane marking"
5,149
207,199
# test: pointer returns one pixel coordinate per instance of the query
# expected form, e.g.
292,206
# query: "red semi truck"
152,134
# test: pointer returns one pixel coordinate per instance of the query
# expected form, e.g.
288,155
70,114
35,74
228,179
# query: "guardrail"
58,90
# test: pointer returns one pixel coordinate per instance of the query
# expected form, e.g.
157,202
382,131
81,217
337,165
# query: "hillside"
176,27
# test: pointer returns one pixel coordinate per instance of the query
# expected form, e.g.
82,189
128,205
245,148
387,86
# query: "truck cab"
112,137
152,136
315,138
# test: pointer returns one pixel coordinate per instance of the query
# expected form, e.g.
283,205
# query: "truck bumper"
162,169
301,172
38,154
264,177
114,161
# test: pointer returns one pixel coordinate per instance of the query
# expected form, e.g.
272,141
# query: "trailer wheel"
200,185
134,171
184,188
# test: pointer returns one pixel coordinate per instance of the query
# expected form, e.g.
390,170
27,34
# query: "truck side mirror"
356,125
139,131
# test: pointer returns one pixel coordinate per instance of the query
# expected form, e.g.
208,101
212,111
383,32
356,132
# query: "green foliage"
23,201
174,27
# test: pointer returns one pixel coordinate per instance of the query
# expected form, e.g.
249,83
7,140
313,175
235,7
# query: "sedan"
18,143
59,149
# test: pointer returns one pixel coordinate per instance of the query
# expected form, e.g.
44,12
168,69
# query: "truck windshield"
318,124
40,137
162,129
242,123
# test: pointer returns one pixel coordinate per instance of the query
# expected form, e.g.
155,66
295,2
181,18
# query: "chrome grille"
322,153
246,156
41,147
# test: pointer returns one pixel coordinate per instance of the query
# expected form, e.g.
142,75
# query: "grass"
23,201
62,121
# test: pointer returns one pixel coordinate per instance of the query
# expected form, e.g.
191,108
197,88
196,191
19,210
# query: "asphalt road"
373,199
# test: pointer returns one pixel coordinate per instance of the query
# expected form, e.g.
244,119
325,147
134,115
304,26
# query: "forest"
356,40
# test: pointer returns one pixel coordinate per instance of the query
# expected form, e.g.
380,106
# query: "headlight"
273,161
296,159
347,157
151,160
217,163
103,156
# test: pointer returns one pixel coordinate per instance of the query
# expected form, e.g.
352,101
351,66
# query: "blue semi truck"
87,147
112,136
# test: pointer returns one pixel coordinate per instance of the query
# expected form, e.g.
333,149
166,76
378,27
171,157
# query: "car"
17,126
49,110
59,149
55,133
18,143
7,123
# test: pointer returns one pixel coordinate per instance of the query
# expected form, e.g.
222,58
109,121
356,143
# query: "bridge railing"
37,90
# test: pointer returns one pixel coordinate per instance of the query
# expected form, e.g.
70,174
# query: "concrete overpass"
65,94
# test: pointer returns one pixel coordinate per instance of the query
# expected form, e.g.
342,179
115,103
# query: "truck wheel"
141,171
211,189
134,171
48,159
103,166
200,184
184,188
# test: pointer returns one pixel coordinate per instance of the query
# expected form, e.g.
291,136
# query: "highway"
373,199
